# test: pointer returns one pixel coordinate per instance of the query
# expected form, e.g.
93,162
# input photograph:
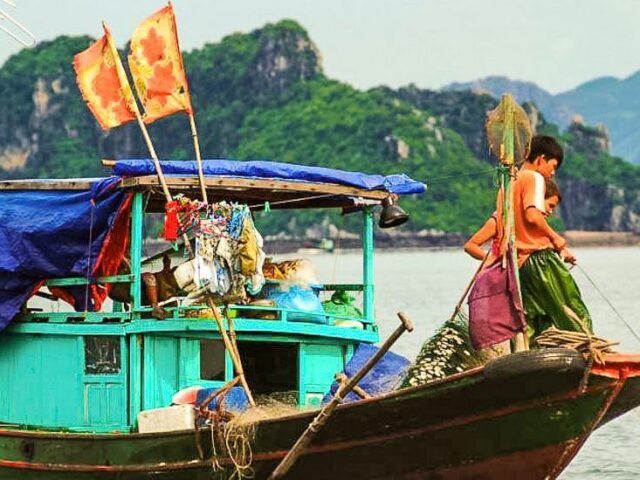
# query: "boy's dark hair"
547,146
552,189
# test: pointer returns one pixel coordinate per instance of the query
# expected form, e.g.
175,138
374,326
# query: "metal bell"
391,215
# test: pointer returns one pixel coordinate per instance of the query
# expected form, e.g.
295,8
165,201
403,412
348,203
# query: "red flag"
103,83
156,66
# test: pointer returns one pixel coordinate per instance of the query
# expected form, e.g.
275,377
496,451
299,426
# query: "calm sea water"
428,283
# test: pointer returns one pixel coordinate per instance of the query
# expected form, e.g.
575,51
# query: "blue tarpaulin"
235,400
383,377
400,184
47,234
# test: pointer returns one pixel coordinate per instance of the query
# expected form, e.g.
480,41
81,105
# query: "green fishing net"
447,352
509,131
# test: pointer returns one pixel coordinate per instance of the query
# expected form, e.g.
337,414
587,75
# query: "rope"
292,200
615,310
459,175
215,465
595,347
240,453
582,342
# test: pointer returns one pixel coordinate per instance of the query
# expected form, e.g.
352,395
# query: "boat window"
211,360
101,354
271,367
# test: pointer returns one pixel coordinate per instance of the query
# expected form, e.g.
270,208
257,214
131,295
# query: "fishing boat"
72,384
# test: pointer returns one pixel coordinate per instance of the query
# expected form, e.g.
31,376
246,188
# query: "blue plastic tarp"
383,377
47,234
235,399
400,184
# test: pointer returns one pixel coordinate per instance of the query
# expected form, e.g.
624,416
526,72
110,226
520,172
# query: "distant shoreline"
575,238
582,238
407,241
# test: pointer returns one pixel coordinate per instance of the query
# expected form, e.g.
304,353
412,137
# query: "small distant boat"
324,245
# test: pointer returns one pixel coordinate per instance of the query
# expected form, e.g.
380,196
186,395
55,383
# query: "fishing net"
447,352
233,439
509,131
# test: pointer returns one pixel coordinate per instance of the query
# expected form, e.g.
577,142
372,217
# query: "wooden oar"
321,419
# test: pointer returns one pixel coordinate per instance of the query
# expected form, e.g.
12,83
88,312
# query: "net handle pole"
469,285
321,419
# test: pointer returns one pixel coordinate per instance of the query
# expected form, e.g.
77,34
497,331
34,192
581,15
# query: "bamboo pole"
232,348
154,156
507,159
196,146
321,419
124,82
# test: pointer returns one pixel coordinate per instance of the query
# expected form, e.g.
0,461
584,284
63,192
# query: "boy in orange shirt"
489,230
547,286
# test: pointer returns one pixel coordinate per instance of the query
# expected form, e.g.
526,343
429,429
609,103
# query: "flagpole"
124,82
196,146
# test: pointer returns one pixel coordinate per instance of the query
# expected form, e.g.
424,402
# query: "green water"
427,284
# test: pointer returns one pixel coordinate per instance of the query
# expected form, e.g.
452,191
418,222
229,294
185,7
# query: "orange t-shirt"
528,192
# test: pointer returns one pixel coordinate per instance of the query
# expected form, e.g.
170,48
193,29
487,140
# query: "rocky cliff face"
595,196
592,141
598,194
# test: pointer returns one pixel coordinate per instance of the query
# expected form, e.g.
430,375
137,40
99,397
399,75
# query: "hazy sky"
556,43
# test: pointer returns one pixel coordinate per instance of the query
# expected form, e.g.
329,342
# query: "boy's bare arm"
533,216
474,245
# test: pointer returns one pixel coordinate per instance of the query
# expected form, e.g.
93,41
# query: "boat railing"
73,281
238,312
274,313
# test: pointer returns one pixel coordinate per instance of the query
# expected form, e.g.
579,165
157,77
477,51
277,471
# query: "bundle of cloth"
229,252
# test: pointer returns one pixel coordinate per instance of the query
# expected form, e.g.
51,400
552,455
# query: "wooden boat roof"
254,192
253,183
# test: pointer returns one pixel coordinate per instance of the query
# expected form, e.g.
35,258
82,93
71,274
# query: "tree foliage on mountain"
263,95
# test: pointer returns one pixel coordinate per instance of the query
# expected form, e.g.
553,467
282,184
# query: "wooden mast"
507,175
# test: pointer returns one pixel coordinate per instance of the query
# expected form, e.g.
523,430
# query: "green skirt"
547,285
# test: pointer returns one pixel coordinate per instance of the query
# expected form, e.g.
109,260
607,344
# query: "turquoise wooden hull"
468,426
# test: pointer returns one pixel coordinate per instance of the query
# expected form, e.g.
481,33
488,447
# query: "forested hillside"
263,95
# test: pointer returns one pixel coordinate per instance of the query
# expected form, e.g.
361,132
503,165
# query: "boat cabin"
96,366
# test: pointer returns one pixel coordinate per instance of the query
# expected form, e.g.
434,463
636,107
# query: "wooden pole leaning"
469,286
321,419
196,146
229,346
232,348
154,157
229,340
133,107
